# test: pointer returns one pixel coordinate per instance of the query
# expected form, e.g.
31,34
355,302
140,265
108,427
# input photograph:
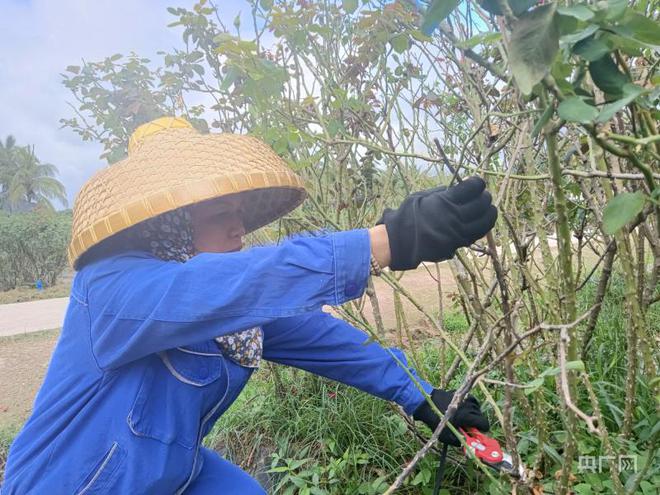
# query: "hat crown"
154,127
171,165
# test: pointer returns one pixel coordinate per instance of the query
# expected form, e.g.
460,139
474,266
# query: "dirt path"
32,316
422,285
23,363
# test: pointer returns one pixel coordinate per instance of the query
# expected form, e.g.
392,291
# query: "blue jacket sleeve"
330,347
140,305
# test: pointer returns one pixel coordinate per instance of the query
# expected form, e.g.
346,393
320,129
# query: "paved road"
32,316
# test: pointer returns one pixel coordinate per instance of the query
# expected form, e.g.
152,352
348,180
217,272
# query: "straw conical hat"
171,165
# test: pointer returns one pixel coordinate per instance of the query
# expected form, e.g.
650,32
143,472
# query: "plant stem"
567,289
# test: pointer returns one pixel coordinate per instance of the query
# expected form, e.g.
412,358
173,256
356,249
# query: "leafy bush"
33,247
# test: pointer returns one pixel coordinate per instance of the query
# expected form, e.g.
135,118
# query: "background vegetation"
33,247
556,105
33,238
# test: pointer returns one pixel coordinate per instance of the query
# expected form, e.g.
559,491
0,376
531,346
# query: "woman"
168,319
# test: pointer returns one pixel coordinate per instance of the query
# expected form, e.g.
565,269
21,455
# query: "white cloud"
39,38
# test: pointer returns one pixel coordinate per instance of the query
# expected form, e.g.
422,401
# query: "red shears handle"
485,448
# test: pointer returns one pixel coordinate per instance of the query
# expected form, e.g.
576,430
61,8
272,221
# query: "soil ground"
23,363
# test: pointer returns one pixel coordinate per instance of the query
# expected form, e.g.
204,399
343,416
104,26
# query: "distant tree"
24,180
7,161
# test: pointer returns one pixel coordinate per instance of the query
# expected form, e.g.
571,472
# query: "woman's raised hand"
431,225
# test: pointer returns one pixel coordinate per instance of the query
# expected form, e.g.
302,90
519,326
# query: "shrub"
33,247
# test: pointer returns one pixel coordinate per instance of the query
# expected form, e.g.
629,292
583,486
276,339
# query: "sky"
39,38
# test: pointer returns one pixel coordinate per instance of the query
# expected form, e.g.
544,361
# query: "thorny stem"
600,296
568,294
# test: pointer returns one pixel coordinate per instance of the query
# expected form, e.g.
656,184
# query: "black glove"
468,413
431,225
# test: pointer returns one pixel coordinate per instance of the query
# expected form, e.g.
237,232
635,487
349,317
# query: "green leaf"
335,127
517,6
580,35
642,28
349,6
607,76
436,13
400,43
567,25
621,209
615,9
533,386
534,44
279,469
583,489
656,196
483,38
630,91
73,68
591,49
232,74
576,365
419,36
570,365
581,12
648,488
543,119
574,109
266,4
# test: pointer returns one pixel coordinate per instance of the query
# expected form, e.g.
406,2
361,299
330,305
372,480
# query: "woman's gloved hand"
431,225
468,414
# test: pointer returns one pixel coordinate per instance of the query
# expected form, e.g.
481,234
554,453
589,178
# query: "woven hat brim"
272,195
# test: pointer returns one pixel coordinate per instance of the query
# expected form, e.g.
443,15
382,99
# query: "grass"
7,434
28,336
313,432
24,294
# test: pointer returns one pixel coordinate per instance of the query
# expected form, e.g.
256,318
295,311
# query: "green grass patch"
24,294
29,336
7,435
314,434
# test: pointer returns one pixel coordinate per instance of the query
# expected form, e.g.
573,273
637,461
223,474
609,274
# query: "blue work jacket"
136,380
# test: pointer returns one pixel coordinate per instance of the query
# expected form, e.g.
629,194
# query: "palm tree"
27,180
7,160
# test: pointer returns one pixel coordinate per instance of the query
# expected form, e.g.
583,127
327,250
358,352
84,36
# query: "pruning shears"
487,450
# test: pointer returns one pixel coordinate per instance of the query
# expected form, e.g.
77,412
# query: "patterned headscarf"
169,237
